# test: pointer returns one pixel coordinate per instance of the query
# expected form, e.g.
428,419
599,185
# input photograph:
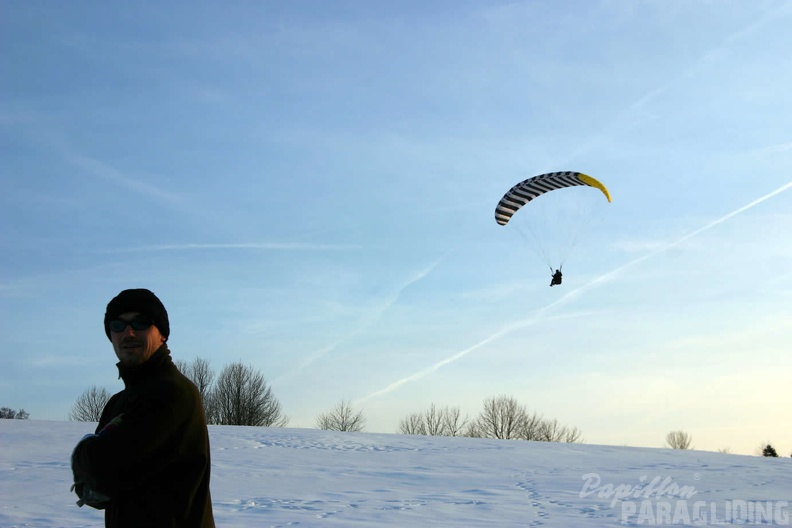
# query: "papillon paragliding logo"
560,207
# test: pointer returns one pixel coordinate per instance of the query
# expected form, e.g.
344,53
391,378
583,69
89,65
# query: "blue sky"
310,189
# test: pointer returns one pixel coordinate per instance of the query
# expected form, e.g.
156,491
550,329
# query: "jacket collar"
158,359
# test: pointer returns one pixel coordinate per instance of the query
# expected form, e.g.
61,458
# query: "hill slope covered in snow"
285,477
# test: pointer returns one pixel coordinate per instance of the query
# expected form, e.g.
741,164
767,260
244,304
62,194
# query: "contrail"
369,320
533,318
102,170
275,246
689,72
538,314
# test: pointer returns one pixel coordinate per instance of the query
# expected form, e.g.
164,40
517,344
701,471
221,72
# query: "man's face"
135,347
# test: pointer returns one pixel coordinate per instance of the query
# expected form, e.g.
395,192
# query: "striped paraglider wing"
527,190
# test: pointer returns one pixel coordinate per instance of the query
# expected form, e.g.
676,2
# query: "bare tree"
678,440
433,421
501,418
202,376
453,423
504,418
552,431
182,365
341,418
532,427
199,372
242,397
412,425
447,421
89,405
472,430
572,435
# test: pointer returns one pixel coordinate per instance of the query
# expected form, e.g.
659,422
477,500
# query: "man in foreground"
148,463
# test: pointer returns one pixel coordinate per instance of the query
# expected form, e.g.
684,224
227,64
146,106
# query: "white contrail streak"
538,314
688,73
533,318
274,246
370,319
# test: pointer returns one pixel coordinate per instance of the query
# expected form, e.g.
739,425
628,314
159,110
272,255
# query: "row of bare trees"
239,395
7,413
502,417
683,440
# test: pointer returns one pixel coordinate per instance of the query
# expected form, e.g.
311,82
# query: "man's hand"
92,498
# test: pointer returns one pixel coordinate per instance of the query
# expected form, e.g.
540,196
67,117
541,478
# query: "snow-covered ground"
264,477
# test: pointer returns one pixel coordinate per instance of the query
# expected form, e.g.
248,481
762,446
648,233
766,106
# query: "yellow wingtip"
588,180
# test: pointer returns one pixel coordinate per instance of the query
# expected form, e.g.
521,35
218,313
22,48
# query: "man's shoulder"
115,398
171,382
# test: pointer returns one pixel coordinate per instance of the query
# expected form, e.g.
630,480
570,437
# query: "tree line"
240,395
502,417
683,440
7,413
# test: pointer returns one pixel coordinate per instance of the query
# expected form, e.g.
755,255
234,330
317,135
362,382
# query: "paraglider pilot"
556,278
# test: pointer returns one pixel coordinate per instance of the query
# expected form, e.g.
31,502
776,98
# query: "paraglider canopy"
555,223
527,190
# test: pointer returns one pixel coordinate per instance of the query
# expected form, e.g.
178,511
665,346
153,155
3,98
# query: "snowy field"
265,477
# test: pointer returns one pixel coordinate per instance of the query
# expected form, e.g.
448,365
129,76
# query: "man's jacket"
150,455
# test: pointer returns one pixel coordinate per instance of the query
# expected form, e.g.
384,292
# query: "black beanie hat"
138,300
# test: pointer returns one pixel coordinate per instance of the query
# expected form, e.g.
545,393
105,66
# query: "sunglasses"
117,325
